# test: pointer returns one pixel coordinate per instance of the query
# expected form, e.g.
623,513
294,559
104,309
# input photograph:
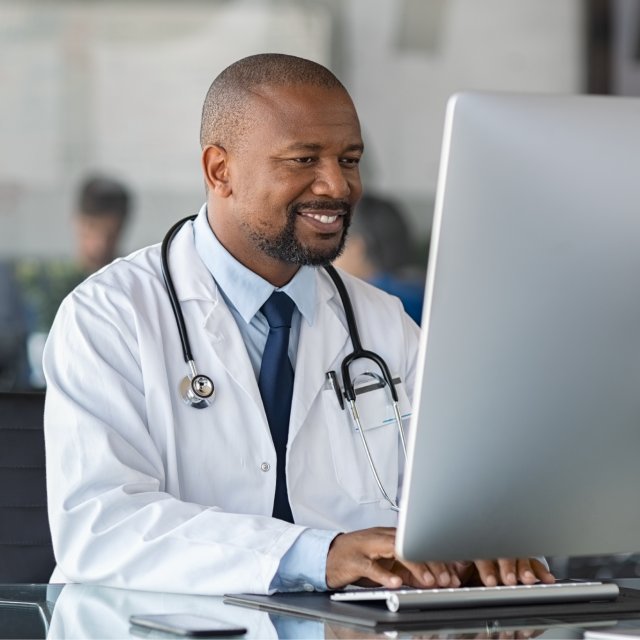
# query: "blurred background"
100,107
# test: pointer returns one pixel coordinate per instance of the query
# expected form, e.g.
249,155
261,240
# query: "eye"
307,160
351,161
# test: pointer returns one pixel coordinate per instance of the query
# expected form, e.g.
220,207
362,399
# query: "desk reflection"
84,611
490,631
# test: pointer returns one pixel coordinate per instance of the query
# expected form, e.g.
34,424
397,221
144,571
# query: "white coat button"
265,466
308,587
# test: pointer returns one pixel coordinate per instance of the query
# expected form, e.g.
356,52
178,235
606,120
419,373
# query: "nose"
330,180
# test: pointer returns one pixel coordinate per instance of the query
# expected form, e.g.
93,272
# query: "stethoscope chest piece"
197,391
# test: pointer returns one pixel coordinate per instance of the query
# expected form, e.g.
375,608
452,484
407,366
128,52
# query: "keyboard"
464,597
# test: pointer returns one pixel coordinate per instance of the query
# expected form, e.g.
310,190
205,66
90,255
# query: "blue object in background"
410,292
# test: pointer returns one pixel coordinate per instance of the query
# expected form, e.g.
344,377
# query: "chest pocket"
352,467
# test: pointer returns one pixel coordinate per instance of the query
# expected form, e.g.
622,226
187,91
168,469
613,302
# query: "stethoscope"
198,391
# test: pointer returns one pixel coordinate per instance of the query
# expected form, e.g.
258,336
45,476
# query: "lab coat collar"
191,279
246,290
320,343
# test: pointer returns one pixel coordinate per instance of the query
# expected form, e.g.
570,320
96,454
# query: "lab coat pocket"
353,471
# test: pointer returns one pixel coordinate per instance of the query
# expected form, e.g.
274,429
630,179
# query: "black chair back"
26,552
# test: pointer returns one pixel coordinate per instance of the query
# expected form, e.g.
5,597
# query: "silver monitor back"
525,436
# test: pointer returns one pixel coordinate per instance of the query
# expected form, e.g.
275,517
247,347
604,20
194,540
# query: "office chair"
26,551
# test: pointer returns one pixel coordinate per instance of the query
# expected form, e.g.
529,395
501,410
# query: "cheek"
263,200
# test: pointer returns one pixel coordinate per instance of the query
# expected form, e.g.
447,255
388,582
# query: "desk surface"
82,611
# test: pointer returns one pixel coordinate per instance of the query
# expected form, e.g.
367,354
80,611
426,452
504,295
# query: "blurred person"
381,251
102,209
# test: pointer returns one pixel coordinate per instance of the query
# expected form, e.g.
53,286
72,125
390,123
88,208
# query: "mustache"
322,205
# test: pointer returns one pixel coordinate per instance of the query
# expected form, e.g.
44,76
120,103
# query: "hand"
368,558
503,571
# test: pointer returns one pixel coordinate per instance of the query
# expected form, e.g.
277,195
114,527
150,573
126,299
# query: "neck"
274,271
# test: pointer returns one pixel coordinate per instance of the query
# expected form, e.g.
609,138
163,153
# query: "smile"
321,217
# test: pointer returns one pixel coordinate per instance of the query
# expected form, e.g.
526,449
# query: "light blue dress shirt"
304,565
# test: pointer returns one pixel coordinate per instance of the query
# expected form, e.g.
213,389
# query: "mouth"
325,221
320,217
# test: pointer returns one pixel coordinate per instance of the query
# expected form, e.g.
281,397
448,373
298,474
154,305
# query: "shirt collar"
246,290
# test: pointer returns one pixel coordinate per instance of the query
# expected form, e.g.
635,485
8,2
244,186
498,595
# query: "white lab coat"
148,493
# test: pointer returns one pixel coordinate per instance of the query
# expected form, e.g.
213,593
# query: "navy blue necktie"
276,388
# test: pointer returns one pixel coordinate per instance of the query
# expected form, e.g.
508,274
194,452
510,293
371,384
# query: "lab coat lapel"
232,352
193,281
319,346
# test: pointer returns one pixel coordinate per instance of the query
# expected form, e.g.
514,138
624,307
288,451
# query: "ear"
215,164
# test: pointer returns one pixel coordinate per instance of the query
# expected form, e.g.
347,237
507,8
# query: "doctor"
268,488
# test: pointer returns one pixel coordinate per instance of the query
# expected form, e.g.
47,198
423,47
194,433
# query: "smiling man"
268,488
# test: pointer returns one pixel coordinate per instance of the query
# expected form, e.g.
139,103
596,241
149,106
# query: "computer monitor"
525,436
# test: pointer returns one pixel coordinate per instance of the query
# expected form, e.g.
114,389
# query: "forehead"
303,114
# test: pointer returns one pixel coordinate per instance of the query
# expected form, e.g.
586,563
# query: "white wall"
118,86
512,45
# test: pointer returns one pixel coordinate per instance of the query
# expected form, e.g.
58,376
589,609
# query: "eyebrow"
310,146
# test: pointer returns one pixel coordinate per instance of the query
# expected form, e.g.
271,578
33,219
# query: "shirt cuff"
304,566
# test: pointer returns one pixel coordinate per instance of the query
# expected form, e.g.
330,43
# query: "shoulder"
365,295
140,268
378,307
119,292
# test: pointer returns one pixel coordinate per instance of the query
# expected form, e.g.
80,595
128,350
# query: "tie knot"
278,310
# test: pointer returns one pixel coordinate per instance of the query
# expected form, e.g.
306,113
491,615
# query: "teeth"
321,218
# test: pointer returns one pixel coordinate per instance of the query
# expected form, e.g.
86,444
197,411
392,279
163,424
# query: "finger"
487,572
508,568
441,573
525,572
415,574
541,572
376,573
431,574
455,579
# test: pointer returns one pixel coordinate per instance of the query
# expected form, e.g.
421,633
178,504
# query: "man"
102,209
252,493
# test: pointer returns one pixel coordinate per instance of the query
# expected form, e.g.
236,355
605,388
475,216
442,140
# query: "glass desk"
83,611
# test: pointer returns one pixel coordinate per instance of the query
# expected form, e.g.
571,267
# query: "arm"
304,566
368,557
112,520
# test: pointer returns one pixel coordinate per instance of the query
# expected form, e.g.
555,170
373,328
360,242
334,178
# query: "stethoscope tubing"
357,353
175,303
